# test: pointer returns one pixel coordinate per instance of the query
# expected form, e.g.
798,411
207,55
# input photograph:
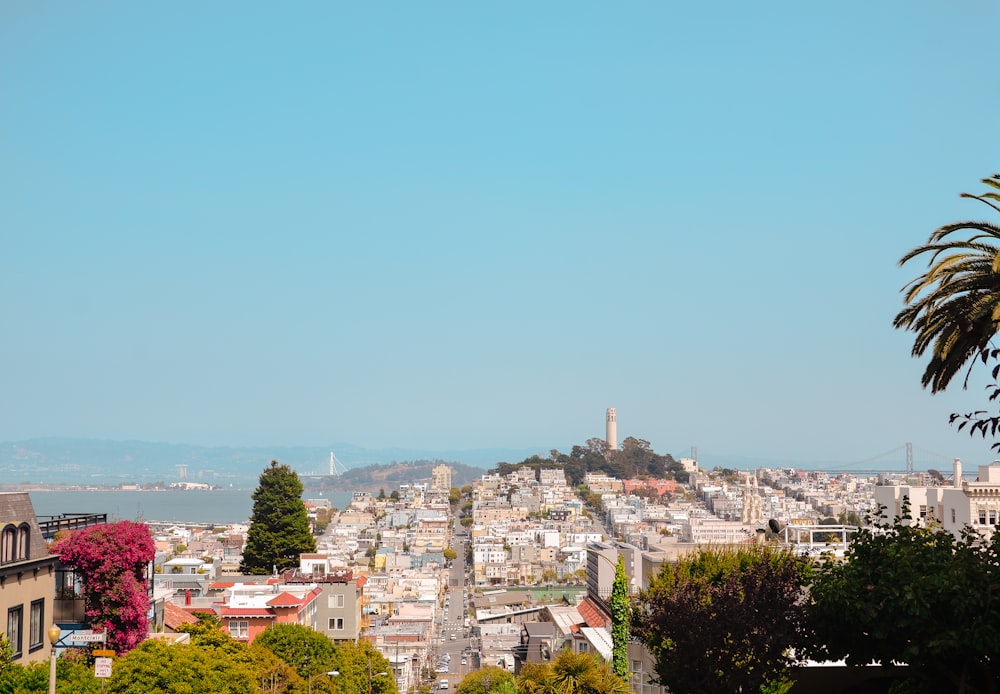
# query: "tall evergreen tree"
279,528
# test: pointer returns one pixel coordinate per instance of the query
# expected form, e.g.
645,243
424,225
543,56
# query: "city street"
454,638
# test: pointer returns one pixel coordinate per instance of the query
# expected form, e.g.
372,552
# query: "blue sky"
466,225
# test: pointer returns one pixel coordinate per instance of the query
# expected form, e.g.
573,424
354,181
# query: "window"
993,517
7,544
982,516
36,636
15,619
23,543
923,511
67,585
336,624
953,515
336,601
239,629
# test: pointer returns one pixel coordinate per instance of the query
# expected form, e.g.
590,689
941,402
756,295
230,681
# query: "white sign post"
102,667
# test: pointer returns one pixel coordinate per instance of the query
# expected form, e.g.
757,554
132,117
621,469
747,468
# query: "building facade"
27,579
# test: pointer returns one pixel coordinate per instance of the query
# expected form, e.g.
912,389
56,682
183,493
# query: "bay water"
220,507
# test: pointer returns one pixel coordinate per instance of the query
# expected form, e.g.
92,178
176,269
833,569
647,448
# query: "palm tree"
954,307
572,672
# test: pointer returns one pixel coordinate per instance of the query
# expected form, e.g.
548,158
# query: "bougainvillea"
111,561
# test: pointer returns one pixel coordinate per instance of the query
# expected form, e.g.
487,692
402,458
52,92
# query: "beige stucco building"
27,579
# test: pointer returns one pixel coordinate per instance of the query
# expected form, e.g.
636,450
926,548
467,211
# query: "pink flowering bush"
111,561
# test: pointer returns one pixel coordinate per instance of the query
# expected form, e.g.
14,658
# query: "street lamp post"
371,677
53,633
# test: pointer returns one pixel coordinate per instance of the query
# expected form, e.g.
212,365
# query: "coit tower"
611,435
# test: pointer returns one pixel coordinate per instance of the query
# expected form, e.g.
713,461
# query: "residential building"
441,478
340,607
953,506
27,579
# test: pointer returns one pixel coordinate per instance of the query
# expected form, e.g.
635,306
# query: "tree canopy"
634,458
913,595
156,666
305,650
723,620
571,673
487,680
279,527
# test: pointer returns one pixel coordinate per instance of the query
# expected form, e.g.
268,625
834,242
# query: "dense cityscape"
440,240
444,582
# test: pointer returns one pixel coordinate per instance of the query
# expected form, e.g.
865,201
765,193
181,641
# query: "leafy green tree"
954,307
449,554
484,681
72,677
307,651
913,595
621,621
156,666
275,676
724,620
279,530
362,670
454,496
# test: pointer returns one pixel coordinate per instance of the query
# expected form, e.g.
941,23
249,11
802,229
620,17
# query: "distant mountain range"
88,461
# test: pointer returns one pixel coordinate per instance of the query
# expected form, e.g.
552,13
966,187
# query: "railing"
50,525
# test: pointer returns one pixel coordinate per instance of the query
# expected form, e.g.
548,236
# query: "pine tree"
279,528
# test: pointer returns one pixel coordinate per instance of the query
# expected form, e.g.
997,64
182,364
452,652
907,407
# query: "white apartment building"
975,504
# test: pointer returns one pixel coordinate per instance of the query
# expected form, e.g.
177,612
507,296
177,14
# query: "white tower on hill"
611,435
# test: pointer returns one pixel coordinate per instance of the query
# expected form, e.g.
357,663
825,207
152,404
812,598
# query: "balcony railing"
50,525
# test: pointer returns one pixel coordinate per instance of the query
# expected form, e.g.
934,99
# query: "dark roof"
16,508
539,628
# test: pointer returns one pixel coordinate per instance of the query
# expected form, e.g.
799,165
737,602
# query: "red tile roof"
286,600
592,614
175,615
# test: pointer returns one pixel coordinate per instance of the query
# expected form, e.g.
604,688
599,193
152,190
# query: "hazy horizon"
478,226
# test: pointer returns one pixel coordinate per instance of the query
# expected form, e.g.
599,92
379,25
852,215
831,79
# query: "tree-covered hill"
633,459
391,475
